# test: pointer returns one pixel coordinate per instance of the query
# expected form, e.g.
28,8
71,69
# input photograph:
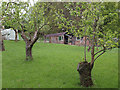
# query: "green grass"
0,69
54,66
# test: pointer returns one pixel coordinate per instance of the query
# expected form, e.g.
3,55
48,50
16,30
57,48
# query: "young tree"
94,21
28,19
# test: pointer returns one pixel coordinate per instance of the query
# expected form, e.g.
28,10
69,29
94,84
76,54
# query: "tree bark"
29,44
93,41
2,48
85,49
16,33
84,69
89,48
92,53
29,52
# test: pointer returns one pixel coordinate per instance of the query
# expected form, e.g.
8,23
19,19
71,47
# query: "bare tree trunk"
84,69
89,45
93,41
2,48
29,52
85,49
28,47
16,33
29,44
92,52
89,48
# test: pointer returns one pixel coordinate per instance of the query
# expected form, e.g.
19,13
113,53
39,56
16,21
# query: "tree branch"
99,55
35,37
99,51
23,33
9,3
104,50
24,36
36,34
42,27
30,36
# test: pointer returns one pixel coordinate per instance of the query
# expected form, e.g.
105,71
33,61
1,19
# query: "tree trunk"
2,48
29,44
28,52
92,54
16,33
85,49
84,69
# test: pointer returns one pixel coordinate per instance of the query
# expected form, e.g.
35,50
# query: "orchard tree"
27,18
93,21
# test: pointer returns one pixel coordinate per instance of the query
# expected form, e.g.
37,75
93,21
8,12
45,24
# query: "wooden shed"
56,38
64,38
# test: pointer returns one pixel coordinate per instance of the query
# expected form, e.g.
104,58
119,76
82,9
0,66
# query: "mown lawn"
0,70
54,66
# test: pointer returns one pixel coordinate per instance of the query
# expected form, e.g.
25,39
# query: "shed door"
65,39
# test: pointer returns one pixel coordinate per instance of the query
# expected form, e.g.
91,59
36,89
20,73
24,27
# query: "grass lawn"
54,66
0,69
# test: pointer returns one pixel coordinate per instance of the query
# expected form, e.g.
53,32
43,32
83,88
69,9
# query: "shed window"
77,38
81,38
60,38
47,38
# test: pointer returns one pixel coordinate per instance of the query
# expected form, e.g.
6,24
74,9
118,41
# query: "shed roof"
55,34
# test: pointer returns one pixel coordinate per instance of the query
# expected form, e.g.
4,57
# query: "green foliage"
92,19
31,17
